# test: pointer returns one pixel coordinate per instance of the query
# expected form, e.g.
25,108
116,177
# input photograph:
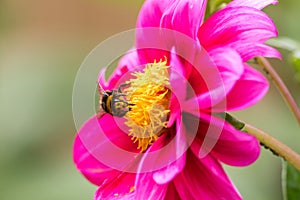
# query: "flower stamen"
148,97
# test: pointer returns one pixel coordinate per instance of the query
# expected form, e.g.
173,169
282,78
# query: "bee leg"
119,95
130,104
121,86
116,93
125,102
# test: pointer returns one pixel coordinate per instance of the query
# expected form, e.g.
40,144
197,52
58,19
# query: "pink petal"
105,154
154,185
89,166
166,156
178,76
107,141
227,72
147,188
204,179
254,50
172,193
229,23
132,61
151,13
178,84
184,16
237,27
171,14
229,64
164,24
258,4
127,64
149,41
152,44
236,148
122,187
166,174
102,81
224,142
247,91
204,73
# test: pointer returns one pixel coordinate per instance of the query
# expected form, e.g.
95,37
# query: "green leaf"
290,182
295,60
293,47
214,5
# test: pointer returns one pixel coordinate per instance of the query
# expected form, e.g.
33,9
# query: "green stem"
280,86
267,140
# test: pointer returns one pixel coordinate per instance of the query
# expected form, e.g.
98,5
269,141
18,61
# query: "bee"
113,102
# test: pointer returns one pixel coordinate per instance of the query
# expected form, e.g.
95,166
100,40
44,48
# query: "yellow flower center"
148,97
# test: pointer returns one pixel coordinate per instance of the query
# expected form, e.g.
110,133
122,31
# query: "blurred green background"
42,45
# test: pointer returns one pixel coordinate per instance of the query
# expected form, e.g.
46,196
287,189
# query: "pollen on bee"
148,97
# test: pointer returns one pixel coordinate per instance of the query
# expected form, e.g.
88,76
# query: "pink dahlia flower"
171,144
